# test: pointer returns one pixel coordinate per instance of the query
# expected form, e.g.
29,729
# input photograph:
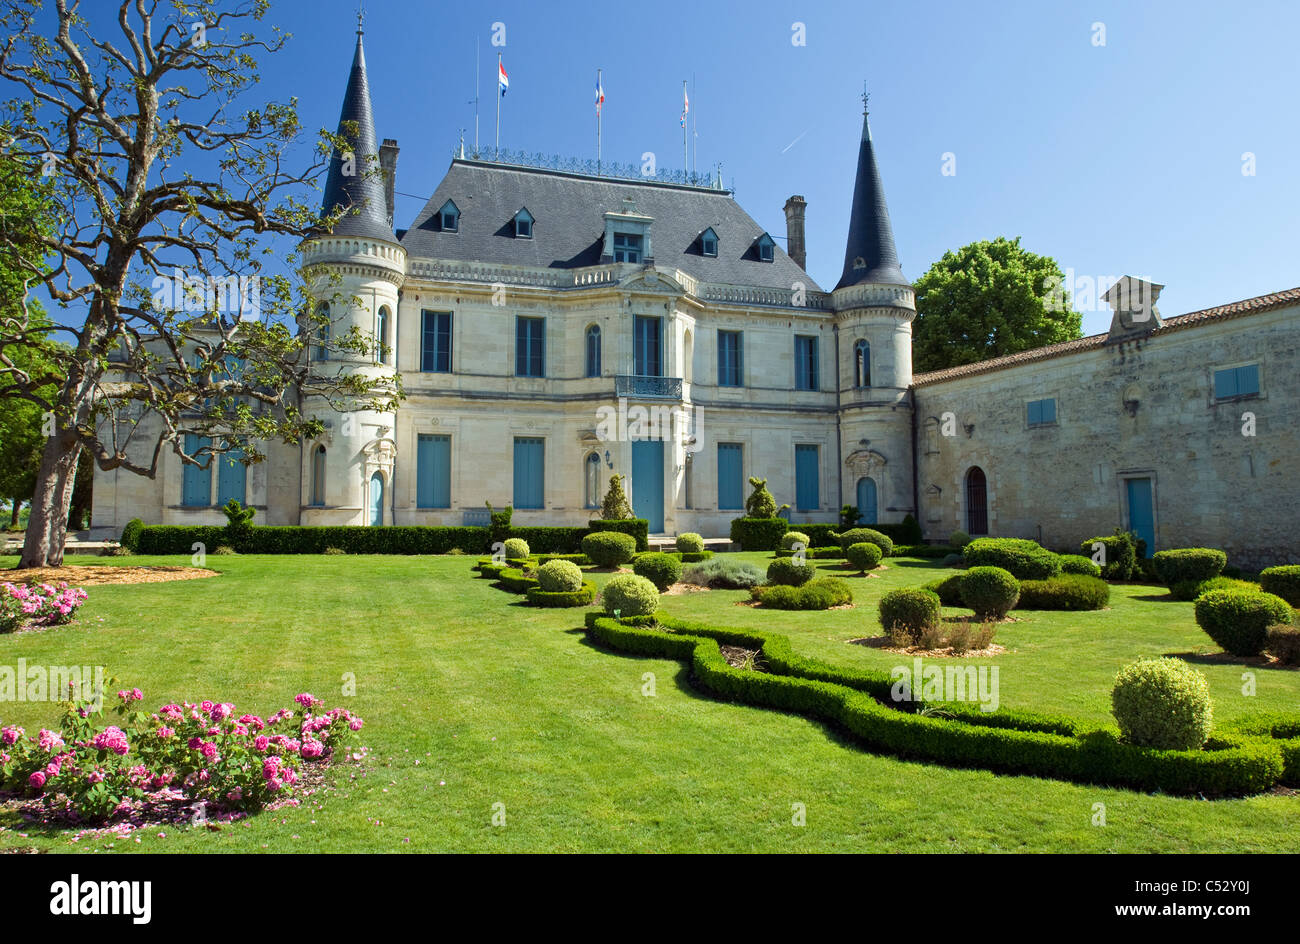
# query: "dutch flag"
502,79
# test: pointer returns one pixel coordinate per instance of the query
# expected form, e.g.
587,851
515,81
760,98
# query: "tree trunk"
13,515
47,521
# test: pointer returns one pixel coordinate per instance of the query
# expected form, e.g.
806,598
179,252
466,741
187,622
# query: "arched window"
591,481
323,333
688,357
377,499
868,504
593,351
862,364
977,502
318,476
382,354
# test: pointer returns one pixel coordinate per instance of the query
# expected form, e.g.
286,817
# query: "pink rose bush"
200,752
38,603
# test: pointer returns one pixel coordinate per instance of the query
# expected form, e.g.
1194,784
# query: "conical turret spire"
354,181
869,254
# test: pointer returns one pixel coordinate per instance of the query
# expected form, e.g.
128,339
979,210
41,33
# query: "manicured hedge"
990,591
610,549
639,528
580,597
758,534
816,553
516,581
1281,581
788,571
694,557
580,559
662,570
1121,555
1003,741
821,593
1189,564
1238,620
869,535
927,551
1064,592
819,535
131,534
1024,560
947,589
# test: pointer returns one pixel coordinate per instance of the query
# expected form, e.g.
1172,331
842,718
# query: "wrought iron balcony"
648,388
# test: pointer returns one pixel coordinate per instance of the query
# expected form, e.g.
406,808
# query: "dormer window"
709,242
766,248
627,247
859,263
523,224
449,217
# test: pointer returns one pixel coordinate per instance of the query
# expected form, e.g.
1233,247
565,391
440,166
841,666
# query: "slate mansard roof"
569,230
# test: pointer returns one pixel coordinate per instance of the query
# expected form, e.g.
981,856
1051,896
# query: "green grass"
473,699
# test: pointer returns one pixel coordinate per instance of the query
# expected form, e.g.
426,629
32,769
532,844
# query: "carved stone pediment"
864,462
379,455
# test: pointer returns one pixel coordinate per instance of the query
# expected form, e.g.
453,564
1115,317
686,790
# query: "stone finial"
1134,302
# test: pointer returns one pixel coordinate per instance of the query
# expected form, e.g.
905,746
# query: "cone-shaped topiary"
615,506
1164,704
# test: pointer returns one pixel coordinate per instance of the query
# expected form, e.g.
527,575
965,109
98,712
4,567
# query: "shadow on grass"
1161,598
1227,658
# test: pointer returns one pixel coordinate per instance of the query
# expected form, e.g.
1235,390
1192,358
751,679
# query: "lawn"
472,699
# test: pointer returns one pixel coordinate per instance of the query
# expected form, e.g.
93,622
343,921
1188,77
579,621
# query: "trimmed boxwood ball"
788,571
662,570
790,538
1238,620
909,609
820,594
516,549
1191,589
609,548
1163,704
870,536
690,543
958,539
989,591
948,589
1023,559
629,595
1188,563
559,576
1280,581
863,556
1064,592
1078,564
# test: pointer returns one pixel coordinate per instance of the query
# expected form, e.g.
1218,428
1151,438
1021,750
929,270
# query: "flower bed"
38,603
1245,760
200,752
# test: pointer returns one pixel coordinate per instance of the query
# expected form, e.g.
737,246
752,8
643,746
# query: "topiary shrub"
131,534
863,556
819,594
1238,620
614,506
990,591
662,570
582,596
791,538
1024,560
1078,564
239,521
1120,555
758,534
788,571
1188,564
629,595
869,536
760,503
690,543
559,576
958,539
1283,644
1064,592
1162,704
948,589
609,549
1191,589
223,550
723,573
1281,581
909,610
516,549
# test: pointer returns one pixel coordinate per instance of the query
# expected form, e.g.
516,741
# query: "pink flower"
112,739
261,743
312,749
49,741
166,732
195,743
307,700
270,767
355,724
172,712
207,706
37,780
221,711
235,795
95,776
209,751
9,736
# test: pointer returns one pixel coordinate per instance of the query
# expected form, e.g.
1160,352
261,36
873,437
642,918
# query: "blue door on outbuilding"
867,506
1141,512
648,482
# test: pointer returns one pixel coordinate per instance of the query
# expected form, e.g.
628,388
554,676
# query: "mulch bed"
885,644
83,575
737,657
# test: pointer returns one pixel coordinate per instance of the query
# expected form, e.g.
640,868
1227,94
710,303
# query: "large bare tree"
175,200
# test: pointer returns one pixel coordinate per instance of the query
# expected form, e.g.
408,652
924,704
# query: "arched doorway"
977,502
377,499
868,504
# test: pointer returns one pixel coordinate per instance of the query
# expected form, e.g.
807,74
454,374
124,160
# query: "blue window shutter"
530,473
807,475
1247,380
433,472
232,478
1049,410
730,471
1034,413
196,484
1225,383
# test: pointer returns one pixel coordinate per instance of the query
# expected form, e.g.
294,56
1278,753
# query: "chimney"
388,162
794,245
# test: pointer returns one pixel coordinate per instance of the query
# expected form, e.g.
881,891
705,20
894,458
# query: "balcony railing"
648,388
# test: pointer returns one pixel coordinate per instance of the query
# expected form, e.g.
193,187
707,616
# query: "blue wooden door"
376,499
433,472
648,482
530,472
731,482
1141,512
232,479
867,501
807,479
648,346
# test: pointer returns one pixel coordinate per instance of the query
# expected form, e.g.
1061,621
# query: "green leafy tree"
173,198
989,299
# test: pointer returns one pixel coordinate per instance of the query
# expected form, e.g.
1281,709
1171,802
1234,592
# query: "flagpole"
498,145
599,110
476,78
695,132
685,107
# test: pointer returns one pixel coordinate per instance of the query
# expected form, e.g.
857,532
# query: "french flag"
600,96
502,79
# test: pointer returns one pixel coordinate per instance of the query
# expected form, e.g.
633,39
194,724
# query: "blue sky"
1117,159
